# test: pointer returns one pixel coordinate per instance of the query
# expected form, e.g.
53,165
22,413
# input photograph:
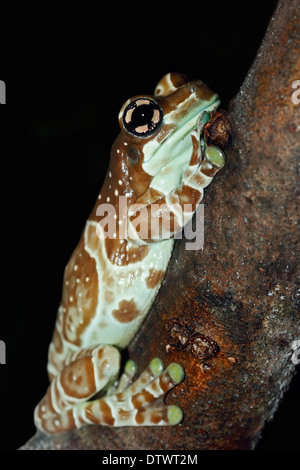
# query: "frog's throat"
170,159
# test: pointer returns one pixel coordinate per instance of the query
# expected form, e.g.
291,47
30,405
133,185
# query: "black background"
66,80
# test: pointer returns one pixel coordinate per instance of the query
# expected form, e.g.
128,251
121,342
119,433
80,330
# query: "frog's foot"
139,404
72,399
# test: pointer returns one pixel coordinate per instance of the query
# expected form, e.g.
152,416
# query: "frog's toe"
176,372
147,393
174,415
159,416
216,156
126,378
130,368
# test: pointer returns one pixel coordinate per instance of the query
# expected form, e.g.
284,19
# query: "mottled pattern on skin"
80,293
157,165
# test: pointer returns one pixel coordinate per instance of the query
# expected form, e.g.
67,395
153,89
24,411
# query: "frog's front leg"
67,403
204,164
173,211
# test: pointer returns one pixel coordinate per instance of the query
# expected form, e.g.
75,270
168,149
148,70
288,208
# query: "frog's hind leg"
140,404
85,373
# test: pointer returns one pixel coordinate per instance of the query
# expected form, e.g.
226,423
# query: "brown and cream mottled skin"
159,167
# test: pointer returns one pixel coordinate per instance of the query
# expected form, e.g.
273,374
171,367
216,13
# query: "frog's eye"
142,117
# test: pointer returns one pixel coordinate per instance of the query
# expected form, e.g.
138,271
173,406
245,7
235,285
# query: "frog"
159,166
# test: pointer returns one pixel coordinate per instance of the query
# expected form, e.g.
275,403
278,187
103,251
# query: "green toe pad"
176,372
130,367
175,415
216,156
156,366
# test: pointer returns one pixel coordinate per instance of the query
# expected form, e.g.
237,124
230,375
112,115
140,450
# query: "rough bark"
241,290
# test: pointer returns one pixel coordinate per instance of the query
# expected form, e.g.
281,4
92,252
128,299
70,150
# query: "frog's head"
155,144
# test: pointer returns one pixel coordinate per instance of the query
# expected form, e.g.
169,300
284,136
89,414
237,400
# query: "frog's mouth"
167,160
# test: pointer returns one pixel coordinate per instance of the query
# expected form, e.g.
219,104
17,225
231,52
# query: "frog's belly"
123,306
113,311
109,303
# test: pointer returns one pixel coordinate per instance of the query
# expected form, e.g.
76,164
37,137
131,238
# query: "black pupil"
142,115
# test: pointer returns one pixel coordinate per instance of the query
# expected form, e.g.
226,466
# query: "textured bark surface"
241,290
